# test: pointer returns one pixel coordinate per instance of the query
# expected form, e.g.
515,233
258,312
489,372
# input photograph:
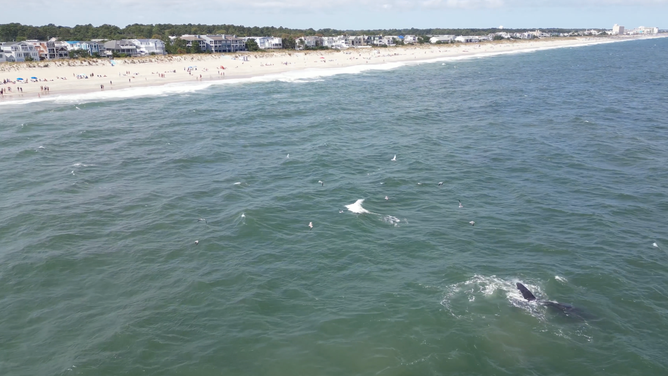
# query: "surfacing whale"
566,309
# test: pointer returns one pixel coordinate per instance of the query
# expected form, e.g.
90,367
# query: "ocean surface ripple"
558,156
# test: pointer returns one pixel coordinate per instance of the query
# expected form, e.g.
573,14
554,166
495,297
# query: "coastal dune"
66,77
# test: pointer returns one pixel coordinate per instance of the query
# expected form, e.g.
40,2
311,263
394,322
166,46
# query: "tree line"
17,32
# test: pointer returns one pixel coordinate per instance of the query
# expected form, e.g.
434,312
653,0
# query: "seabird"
243,215
394,159
201,220
287,156
460,205
472,223
654,244
196,242
321,183
440,183
310,224
386,198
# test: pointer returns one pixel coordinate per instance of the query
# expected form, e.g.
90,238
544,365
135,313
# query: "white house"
19,51
3,59
149,46
92,47
268,43
442,39
646,30
410,39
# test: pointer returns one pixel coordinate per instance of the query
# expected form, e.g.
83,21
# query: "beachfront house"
40,47
149,46
339,42
217,43
19,51
410,39
120,47
442,39
379,40
203,45
308,42
93,48
57,49
268,43
357,40
3,59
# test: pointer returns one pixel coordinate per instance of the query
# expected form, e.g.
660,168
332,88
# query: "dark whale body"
567,309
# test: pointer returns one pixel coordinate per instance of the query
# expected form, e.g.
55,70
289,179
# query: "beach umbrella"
19,79
33,78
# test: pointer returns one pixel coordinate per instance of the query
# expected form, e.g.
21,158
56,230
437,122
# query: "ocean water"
558,156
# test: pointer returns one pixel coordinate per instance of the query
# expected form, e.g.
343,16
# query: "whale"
566,309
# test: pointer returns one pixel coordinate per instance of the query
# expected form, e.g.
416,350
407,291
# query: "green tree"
251,45
177,46
76,54
288,43
195,48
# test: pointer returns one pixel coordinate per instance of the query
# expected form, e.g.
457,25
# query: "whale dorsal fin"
525,292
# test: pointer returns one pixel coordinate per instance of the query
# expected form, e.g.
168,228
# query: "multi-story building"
93,48
149,46
40,47
217,43
120,47
57,49
267,43
617,30
19,51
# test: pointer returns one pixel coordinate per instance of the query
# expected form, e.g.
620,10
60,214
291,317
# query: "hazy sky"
343,14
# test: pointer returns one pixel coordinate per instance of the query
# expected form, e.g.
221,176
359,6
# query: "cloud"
306,6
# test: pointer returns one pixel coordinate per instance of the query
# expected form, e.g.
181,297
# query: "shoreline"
67,78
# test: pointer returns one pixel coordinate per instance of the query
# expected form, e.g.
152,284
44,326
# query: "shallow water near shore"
558,156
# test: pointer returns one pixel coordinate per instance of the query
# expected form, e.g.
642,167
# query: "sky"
344,14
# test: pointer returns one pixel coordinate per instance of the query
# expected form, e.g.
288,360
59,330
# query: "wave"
297,76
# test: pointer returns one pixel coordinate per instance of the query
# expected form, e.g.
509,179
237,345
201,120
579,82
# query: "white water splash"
357,208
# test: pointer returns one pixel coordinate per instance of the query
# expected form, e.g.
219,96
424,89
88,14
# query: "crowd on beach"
159,70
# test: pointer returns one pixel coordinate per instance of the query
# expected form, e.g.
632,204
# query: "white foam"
560,279
357,207
480,287
391,220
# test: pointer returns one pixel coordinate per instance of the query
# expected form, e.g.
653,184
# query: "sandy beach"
64,77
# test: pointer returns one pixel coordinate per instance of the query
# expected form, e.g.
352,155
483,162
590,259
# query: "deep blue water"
558,156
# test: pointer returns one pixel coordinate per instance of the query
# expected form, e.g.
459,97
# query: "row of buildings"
642,30
55,49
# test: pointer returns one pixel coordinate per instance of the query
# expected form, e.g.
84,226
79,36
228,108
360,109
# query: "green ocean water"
558,156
